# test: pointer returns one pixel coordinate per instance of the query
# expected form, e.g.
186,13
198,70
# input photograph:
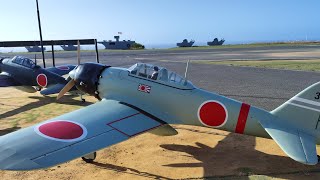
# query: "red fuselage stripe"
242,119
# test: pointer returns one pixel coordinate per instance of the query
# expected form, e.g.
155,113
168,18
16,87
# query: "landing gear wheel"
89,158
318,158
38,88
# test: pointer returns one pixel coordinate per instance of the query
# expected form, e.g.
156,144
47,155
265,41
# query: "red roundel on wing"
65,68
212,114
142,88
64,130
42,80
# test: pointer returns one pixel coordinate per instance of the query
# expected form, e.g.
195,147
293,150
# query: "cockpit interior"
159,74
24,61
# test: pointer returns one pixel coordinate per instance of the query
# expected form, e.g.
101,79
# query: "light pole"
41,44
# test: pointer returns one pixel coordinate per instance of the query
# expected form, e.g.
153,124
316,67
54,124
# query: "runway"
217,54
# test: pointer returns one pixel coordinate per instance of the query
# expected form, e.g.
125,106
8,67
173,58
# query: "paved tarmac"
218,54
266,88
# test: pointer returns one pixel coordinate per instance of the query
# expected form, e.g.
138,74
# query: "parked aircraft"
22,73
143,99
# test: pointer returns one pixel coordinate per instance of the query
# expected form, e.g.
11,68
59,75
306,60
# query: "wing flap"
100,125
297,144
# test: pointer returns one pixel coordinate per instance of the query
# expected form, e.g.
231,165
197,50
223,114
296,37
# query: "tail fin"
303,110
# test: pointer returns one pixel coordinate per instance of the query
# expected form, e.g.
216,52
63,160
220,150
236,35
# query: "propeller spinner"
85,77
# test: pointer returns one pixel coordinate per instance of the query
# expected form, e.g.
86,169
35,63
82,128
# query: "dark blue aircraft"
24,74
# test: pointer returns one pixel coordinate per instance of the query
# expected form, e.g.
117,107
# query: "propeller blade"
66,88
72,73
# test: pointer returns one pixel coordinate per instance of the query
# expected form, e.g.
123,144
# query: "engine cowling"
86,77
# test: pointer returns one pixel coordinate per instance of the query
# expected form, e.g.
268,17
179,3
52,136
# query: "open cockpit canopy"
159,74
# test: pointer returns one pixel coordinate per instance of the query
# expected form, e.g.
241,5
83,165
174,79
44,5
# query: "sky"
164,21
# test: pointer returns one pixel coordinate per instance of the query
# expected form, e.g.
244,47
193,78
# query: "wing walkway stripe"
242,119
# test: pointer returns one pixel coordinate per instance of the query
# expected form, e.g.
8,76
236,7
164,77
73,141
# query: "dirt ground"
195,153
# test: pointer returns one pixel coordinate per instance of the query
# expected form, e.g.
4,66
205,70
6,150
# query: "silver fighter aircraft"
147,98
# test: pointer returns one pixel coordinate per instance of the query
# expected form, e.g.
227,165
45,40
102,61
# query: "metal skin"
24,77
133,103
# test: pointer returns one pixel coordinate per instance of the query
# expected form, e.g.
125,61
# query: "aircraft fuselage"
190,106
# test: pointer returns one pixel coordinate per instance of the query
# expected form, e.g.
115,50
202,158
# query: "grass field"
303,65
19,109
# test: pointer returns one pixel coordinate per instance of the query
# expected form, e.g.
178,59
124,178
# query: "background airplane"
22,73
132,103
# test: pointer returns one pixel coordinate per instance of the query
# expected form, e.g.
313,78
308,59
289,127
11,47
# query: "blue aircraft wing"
54,89
7,81
297,144
73,135
61,70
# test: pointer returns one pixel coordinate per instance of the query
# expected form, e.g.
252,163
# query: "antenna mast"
187,67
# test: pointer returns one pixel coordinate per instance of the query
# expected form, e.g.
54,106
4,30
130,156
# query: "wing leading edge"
73,135
297,144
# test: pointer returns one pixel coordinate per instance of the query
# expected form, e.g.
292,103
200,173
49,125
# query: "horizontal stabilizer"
298,145
164,130
52,89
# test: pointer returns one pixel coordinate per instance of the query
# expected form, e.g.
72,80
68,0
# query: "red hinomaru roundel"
42,80
61,130
212,113
65,68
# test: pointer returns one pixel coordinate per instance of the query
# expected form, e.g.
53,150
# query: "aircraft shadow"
8,130
42,100
127,170
235,156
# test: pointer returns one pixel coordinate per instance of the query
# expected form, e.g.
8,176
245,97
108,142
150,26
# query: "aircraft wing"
54,89
297,144
73,135
61,70
7,81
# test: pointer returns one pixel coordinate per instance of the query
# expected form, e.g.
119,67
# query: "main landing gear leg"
82,99
89,158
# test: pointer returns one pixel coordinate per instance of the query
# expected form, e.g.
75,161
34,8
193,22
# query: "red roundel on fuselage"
64,130
42,80
212,114
65,68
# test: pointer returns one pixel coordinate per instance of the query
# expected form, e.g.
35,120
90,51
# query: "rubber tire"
90,160
37,88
